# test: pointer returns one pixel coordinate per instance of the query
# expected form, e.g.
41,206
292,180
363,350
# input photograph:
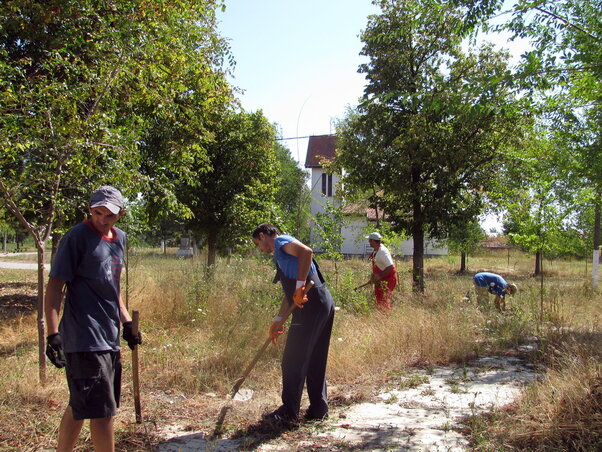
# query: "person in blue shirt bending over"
306,350
486,283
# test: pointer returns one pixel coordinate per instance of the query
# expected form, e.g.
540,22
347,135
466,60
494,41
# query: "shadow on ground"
17,299
252,437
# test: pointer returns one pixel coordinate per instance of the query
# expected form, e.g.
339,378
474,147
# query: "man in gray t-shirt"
88,265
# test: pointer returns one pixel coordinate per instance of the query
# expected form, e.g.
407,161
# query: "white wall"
318,200
354,231
355,242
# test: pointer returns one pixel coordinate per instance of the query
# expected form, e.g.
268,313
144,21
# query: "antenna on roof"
298,118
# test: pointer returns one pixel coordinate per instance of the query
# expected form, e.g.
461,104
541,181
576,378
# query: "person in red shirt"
384,273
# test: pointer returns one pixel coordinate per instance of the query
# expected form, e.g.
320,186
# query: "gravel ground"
420,412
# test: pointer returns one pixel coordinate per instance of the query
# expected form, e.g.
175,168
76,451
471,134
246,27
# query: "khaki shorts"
482,295
94,380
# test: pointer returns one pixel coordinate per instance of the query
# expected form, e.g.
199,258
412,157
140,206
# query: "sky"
297,61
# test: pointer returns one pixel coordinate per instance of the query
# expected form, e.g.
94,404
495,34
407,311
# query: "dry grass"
200,330
561,412
377,344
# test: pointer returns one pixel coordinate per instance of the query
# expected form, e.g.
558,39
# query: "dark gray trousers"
306,353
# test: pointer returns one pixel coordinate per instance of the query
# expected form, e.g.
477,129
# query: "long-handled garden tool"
363,285
249,368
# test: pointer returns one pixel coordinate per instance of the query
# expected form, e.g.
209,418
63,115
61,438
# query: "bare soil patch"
422,410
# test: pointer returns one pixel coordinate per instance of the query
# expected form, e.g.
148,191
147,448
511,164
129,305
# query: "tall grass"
562,411
201,328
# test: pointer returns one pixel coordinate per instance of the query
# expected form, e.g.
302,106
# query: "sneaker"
280,416
309,416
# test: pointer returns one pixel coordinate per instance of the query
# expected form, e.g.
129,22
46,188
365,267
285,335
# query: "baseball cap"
513,287
375,236
109,197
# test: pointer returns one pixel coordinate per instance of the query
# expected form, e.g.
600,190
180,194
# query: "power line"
292,138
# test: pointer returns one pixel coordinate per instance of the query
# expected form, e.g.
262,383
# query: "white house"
358,219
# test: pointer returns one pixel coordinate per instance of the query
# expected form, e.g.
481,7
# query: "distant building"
495,243
358,219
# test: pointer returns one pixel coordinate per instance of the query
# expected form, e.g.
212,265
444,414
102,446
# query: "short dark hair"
267,229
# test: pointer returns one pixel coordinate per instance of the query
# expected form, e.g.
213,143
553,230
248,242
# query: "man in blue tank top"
308,341
88,265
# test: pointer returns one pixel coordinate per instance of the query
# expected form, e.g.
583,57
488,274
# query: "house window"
327,184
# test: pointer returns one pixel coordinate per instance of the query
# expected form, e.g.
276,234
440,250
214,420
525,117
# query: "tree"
464,238
567,40
70,72
329,225
430,123
534,188
237,191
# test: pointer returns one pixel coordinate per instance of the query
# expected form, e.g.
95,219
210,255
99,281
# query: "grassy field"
200,330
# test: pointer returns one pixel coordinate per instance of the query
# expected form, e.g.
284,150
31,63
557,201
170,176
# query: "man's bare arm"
52,303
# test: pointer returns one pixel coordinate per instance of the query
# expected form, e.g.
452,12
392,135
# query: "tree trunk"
376,208
4,241
596,253
463,262
211,248
41,323
541,290
537,263
418,258
417,233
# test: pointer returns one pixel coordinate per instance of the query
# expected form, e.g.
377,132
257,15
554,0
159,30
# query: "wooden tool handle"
135,321
265,345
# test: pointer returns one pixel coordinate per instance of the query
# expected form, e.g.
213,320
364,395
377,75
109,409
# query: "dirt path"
8,264
421,411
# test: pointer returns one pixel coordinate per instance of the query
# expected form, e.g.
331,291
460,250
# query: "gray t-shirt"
91,265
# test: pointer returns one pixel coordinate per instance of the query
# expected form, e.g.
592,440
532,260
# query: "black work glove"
54,350
129,336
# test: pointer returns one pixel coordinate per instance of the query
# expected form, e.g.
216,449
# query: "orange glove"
300,297
276,329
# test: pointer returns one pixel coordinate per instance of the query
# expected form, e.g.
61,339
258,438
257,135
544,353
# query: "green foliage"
465,238
360,301
413,381
561,76
534,189
237,190
177,126
78,84
329,224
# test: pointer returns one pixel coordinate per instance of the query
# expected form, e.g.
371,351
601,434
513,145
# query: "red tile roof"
321,147
359,209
